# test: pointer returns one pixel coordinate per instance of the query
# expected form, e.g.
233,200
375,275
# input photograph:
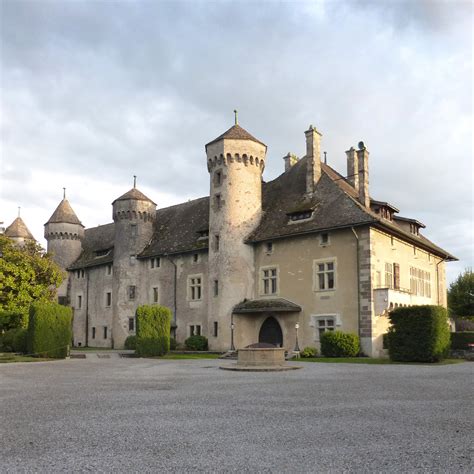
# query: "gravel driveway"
141,415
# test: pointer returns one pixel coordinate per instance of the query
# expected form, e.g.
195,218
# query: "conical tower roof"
64,214
134,195
236,132
18,229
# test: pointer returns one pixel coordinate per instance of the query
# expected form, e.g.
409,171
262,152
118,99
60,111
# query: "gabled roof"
18,229
64,214
134,194
236,132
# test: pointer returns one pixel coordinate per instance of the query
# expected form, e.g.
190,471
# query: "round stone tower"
64,233
18,232
235,161
134,216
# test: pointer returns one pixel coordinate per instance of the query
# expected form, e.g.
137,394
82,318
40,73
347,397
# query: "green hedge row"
49,330
339,344
460,340
12,320
153,330
418,334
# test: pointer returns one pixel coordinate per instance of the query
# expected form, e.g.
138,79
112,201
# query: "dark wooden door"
270,332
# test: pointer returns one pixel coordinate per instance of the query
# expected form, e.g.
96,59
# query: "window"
108,269
105,332
325,276
62,300
133,230
216,242
195,330
155,262
216,329
270,281
195,288
218,178
80,273
396,276
155,294
216,287
324,239
132,289
79,302
325,324
218,201
378,279
420,282
131,324
196,258
93,333
388,275
108,299
269,247
299,216
102,253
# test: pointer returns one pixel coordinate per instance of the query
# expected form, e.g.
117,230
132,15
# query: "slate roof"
96,239
179,228
64,214
134,194
280,305
18,229
236,132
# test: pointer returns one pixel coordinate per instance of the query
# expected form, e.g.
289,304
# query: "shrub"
309,352
418,334
196,343
173,344
49,330
153,330
460,340
12,320
13,340
131,343
339,344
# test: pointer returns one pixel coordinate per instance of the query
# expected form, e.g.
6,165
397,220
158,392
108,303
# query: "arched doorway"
270,332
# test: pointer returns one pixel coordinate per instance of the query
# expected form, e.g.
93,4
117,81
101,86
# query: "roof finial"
64,193
134,181
236,118
19,209
325,158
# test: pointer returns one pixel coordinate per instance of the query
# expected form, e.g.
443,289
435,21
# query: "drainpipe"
437,277
87,309
358,281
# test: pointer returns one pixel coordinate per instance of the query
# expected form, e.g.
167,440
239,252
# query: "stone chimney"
353,168
290,160
313,154
363,165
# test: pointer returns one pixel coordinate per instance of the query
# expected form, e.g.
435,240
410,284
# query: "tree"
27,274
461,295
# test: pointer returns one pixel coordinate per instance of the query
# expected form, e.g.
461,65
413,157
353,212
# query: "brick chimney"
290,160
353,168
313,154
363,165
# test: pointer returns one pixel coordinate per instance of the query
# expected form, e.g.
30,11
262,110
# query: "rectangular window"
420,282
108,299
108,269
324,239
155,262
131,324
80,273
216,242
269,247
93,333
195,330
270,281
216,329
195,288
388,275
133,230
325,276
396,276
216,287
132,289
79,302
325,324
155,294
105,332
218,178
218,201
196,258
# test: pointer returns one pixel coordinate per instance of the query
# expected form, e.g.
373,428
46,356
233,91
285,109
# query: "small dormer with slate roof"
19,232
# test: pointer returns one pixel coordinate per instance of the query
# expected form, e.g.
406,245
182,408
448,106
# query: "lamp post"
232,327
297,347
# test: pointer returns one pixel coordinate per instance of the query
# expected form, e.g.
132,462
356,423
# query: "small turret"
64,233
19,232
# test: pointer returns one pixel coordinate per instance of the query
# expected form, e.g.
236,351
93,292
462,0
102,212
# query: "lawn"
8,358
370,360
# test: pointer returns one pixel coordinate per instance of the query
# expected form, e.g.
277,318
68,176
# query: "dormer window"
203,234
299,216
102,253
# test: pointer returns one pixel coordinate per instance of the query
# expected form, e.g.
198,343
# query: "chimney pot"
313,155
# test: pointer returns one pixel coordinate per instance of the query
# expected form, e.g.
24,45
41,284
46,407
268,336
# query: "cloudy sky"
93,92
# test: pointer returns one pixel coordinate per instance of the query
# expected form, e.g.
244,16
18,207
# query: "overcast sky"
93,92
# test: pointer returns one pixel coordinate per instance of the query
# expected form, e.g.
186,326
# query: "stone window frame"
193,329
155,293
109,269
323,243
316,272
190,285
155,262
315,323
262,279
79,298
108,303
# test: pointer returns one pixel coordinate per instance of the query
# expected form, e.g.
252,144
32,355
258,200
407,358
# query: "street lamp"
232,327
297,347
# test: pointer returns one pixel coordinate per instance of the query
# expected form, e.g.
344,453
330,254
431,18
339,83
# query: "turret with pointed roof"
19,232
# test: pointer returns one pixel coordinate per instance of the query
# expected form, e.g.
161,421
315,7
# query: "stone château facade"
252,259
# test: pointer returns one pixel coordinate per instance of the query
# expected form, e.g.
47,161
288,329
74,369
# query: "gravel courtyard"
142,415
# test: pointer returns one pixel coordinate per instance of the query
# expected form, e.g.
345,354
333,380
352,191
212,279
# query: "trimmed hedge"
460,340
419,334
309,352
339,344
131,343
196,343
14,340
49,330
153,330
